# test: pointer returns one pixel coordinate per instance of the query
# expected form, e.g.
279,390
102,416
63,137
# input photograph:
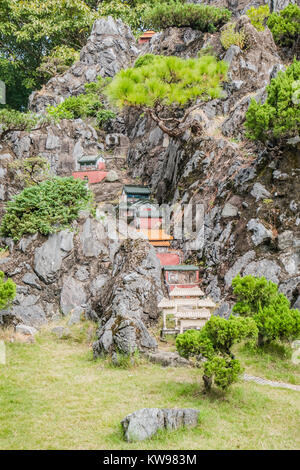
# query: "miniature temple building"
91,168
181,275
187,308
133,193
147,216
194,319
91,162
145,37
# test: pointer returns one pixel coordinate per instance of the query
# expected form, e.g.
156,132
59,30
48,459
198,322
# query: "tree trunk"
207,382
260,340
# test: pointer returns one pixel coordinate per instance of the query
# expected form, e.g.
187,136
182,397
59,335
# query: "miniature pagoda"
188,309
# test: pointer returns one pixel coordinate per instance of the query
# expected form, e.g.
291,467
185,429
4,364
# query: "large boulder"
129,299
144,423
48,258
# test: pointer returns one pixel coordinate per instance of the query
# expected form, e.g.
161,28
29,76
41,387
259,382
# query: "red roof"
167,259
94,176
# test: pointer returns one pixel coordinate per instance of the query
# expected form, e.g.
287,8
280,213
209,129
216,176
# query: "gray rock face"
144,423
93,238
238,266
76,315
260,192
72,295
48,258
32,315
110,47
267,268
129,299
26,330
229,210
168,359
112,176
286,240
259,231
32,280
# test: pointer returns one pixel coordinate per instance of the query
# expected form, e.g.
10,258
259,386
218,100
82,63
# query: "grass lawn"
54,396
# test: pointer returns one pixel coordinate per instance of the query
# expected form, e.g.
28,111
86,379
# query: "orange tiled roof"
161,243
156,234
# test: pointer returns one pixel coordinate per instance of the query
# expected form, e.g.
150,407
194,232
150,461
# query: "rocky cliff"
250,192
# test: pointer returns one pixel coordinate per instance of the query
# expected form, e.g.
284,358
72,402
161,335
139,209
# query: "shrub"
88,104
279,116
144,60
258,16
7,291
285,25
231,37
214,342
31,170
260,299
12,120
186,15
45,207
167,81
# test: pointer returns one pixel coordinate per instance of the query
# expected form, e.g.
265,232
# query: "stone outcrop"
110,47
129,299
85,273
144,423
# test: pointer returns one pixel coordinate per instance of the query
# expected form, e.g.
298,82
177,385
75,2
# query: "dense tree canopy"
30,30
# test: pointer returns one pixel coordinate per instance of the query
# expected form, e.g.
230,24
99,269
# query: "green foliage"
58,61
121,360
45,207
88,104
214,342
224,370
144,60
30,30
7,291
131,12
285,25
31,170
205,18
231,37
12,120
260,299
279,116
253,294
166,81
258,16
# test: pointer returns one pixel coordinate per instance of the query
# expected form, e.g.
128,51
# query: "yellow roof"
160,243
203,313
166,303
186,292
156,234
